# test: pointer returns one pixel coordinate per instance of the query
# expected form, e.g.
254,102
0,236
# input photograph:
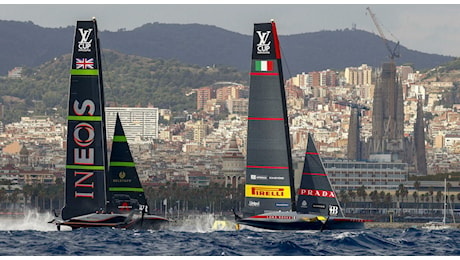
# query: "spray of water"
31,220
202,224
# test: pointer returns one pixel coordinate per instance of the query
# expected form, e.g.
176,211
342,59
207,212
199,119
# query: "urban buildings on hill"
202,150
229,96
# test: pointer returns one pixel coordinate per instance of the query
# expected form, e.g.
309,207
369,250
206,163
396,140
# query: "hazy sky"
430,28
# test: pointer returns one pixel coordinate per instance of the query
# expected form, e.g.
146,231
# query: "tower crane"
394,53
359,108
353,105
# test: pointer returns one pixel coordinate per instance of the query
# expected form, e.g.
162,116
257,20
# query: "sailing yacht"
436,225
270,195
92,196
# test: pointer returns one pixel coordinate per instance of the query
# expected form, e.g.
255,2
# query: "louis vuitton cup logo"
84,45
263,47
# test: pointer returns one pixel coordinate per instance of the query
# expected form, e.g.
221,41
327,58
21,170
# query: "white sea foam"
203,223
31,220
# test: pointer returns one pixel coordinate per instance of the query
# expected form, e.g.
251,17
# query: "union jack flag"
84,63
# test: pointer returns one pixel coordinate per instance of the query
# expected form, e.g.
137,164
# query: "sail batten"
85,167
123,164
84,72
84,118
130,189
267,167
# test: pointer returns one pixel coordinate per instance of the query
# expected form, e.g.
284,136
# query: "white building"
346,175
140,123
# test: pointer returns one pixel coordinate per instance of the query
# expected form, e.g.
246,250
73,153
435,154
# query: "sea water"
32,235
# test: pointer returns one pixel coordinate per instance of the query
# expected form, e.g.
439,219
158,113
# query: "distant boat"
437,225
270,195
95,196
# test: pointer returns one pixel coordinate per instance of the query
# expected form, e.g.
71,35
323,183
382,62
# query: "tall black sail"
125,192
316,194
86,138
269,173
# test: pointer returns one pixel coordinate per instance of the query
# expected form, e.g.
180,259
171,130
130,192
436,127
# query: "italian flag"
264,65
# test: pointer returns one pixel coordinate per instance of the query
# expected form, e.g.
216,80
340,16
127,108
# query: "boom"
393,52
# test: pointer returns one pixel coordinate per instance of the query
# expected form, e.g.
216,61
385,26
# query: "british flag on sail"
84,63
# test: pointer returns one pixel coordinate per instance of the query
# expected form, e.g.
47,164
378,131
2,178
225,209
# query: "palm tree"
415,196
14,197
362,192
388,200
405,193
343,196
402,191
352,195
3,196
28,191
397,193
439,196
382,196
431,192
417,185
374,195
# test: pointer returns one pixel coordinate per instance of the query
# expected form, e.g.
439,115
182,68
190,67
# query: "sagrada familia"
388,138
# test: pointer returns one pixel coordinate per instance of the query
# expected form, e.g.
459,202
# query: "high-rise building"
203,95
358,76
200,130
237,106
140,124
322,78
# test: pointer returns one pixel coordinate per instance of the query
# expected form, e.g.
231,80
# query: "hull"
436,226
151,222
297,221
122,221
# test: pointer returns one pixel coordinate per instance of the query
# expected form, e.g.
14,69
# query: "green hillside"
129,80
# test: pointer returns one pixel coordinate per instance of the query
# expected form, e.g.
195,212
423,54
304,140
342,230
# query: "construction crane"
352,105
394,52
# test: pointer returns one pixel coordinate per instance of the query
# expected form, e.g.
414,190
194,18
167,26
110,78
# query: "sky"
429,28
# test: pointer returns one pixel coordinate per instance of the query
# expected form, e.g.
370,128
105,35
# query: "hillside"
129,80
29,45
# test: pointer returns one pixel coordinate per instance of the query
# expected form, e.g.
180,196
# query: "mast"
445,202
269,173
104,130
86,141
